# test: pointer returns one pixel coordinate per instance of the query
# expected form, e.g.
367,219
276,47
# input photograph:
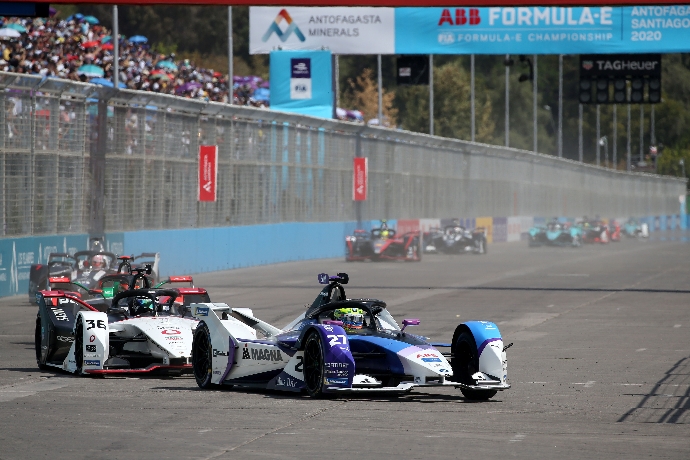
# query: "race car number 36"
90,324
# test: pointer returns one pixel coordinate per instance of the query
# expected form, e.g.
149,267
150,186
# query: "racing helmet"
98,262
352,318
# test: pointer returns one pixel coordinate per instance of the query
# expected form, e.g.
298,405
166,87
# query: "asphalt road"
600,368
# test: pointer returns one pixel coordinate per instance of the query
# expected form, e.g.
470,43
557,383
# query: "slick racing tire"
465,363
313,365
38,343
79,346
202,357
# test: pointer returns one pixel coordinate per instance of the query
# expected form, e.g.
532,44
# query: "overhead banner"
339,30
208,172
359,179
542,30
301,82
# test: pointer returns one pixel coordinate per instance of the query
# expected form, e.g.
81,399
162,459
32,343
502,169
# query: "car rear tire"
79,346
313,365
465,363
202,357
38,341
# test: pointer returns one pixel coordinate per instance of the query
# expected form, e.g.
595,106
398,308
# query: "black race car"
455,239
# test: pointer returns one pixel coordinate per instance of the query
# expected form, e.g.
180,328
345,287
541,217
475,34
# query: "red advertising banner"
208,172
359,179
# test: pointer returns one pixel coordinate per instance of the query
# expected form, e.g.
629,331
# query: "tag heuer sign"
620,65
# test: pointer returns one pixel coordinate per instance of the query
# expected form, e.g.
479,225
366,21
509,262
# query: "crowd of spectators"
79,48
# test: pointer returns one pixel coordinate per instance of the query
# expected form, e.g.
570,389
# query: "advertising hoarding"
301,82
542,30
359,179
208,172
340,30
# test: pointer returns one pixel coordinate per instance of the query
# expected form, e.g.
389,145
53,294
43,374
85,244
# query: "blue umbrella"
106,39
170,65
138,39
106,82
262,94
90,70
17,27
91,20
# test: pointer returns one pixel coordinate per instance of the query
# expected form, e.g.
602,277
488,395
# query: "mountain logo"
275,28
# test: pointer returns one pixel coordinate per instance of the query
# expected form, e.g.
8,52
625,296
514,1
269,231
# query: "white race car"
138,333
342,345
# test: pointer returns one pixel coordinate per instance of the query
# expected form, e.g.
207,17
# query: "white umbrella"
9,33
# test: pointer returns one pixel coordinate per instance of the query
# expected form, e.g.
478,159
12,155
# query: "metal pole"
231,70
507,123
337,80
629,146
641,132
560,106
380,115
615,136
579,135
652,127
598,137
431,94
116,49
534,103
472,129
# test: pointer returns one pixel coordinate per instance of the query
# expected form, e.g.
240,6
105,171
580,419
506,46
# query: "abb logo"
461,17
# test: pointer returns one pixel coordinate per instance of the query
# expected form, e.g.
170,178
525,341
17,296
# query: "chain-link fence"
81,158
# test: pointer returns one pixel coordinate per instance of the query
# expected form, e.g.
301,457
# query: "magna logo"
463,17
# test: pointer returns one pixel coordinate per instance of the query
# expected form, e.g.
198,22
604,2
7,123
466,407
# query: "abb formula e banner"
208,172
340,30
359,179
543,30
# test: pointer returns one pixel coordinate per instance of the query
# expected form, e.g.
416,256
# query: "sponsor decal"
328,328
219,353
90,355
90,348
262,354
336,365
335,381
174,338
60,314
217,372
170,332
426,355
443,370
245,352
337,372
287,381
92,338
431,360
65,339
202,311
92,362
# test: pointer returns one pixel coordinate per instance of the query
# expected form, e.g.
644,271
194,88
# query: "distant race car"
614,231
556,234
382,244
341,345
138,333
633,228
595,231
84,267
455,239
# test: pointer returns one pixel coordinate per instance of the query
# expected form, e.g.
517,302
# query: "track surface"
600,368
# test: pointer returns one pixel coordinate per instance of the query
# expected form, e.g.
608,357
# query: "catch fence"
80,158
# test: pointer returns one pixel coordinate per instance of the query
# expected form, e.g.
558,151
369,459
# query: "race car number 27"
339,339
90,324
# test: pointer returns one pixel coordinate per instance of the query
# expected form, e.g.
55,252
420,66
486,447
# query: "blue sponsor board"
302,82
543,30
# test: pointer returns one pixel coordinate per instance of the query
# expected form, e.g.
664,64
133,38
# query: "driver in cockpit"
352,318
